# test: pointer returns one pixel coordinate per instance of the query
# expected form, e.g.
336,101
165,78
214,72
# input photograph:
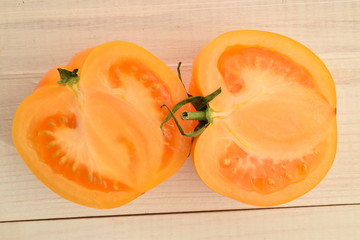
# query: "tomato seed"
62,160
48,132
257,62
89,177
271,181
234,170
74,167
99,181
238,158
52,143
305,168
289,176
144,77
159,100
58,152
134,68
64,119
155,86
226,162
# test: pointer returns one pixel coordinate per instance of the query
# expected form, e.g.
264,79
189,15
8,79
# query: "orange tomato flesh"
273,135
130,69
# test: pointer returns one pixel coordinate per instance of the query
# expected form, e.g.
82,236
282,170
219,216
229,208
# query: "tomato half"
273,133
95,139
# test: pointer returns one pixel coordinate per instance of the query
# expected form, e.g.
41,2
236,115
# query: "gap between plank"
184,212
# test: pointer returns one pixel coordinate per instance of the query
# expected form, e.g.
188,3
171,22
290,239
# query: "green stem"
203,113
195,115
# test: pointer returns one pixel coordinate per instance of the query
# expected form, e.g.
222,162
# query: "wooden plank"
337,222
37,35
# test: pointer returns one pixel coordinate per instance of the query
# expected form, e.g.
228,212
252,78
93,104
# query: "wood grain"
291,223
37,35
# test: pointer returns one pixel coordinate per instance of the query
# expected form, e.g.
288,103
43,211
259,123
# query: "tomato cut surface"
273,133
97,141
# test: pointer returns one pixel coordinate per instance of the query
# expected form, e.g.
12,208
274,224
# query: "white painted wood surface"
37,35
342,222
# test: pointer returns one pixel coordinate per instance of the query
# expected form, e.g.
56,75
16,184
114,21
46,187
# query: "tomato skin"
99,144
264,161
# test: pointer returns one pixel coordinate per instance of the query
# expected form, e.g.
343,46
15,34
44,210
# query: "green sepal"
68,78
202,103
179,76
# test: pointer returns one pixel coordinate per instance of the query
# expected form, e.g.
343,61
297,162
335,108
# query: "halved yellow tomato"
272,135
93,137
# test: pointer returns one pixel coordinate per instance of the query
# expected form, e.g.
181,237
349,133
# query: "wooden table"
37,35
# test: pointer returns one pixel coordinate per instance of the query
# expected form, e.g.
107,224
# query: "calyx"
68,78
202,113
